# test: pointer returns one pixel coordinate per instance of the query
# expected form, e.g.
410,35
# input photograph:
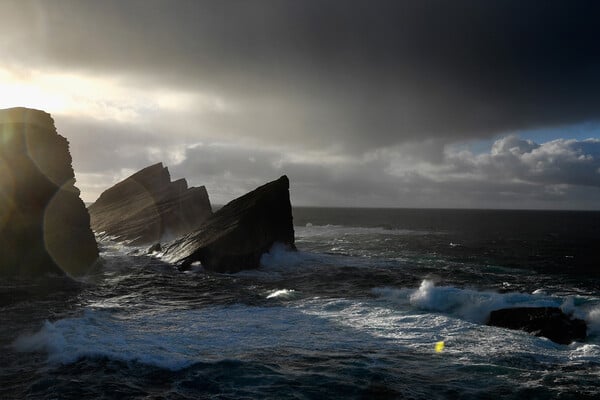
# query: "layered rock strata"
238,234
44,225
147,208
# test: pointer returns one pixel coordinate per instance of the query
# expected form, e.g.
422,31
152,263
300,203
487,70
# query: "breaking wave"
476,305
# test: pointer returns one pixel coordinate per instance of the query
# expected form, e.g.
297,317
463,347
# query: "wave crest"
469,304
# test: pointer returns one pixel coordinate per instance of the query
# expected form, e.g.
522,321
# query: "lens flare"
63,227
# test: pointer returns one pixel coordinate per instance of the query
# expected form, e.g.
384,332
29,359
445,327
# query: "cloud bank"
513,173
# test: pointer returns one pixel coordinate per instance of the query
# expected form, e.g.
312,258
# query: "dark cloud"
343,73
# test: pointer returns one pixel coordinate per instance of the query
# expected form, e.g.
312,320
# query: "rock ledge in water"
238,234
44,225
549,322
147,207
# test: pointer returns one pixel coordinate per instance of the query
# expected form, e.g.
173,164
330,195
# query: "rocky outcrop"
44,225
237,235
549,322
147,208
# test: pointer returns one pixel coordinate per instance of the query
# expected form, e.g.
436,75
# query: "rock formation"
44,225
147,208
237,235
549,322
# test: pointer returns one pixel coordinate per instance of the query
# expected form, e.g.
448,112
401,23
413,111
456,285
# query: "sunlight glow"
99,97
17,93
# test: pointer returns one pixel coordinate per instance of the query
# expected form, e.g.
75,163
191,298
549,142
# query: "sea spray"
593,320
469,304
281,293
48,339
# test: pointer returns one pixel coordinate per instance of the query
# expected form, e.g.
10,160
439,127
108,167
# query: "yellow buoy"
439,346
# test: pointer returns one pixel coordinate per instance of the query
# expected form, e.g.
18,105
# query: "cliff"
147,207
237,235
44,225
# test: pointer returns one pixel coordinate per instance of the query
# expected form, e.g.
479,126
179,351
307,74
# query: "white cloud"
512,144
511,159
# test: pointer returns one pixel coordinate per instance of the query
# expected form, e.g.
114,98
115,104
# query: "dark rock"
154,248
44,225
549,322
147,207
237,235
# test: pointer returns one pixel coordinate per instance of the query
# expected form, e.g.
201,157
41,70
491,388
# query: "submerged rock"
238,234
147,207
549,322
44,225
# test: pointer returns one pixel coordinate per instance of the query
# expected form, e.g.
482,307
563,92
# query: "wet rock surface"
237,235
147,207
44,225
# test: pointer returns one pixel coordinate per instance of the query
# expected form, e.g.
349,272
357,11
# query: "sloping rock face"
549,322
147,207
237,235
44,225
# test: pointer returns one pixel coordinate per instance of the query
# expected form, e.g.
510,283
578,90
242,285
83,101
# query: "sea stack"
44,225
147,208
238,234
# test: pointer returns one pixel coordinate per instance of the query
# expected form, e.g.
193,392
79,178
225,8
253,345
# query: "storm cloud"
362,102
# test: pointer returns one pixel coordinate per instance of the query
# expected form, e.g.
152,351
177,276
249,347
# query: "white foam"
281,293
469,304
47,339
95,334
593,320
280,259
420,331
281,256
585,352
176,339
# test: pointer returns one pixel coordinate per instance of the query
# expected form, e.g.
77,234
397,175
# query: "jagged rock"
44,225
147,207
237,235
549,322
154,248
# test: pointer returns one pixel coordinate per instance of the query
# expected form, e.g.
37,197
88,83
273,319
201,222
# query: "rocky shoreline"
45,228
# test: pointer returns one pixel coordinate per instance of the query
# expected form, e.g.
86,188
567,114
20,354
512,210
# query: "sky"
428,103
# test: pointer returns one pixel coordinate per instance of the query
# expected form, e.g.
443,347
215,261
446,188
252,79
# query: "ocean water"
355,313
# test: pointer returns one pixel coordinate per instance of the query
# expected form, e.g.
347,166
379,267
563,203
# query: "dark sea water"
355,313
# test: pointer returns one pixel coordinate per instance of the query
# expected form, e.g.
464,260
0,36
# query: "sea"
375,304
